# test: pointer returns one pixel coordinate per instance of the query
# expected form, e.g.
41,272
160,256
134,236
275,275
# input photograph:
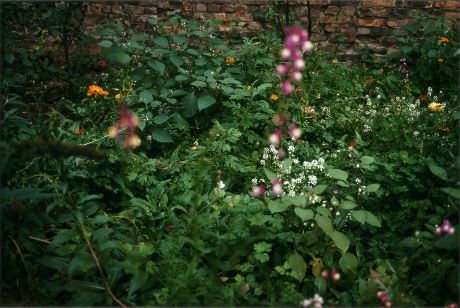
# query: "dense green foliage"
87,222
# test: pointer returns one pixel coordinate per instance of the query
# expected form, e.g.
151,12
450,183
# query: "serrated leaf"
338,174
341,241
304,214
298,266
157,65
372,187
161,135
205,101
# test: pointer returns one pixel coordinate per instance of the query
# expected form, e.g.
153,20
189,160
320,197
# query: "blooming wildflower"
294,132
404,68
384,300
118,96
446,227
79,131
440,60
286,87
274,97
436,106
94,90
277,187
132,141
126,121
334,61
281,154
314,302
102,64
221,185
444,40
444,129
282,69
352,144
310,111
275,137
230,60
296,76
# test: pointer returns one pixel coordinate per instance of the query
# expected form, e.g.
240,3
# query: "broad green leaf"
157,65
359,216
205,101
179,39
276,206
453,192
161,135
161,41
372,220
348,262
146,96
319,189
160,119
348,205
372,188
298,266
325,224
437,170
105,43
189,105
338,174
304,214
270,175
181,78
199,83
341,241
176,60
367,160
297,200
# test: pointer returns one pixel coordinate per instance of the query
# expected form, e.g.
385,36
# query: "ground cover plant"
174,169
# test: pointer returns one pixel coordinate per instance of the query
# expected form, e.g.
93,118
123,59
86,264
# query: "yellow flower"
440,60
274,97
230,60
436,106
444,40
118,96
96,90
334,61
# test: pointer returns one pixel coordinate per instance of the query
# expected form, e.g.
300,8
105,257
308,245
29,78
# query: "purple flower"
286,87
275,137
282,69
446,227
296,76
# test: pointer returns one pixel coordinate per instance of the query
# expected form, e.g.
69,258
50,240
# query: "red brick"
397,23
370,22
332,10
448,5
326,19
452,16
200,7
373,12
330,28
254,26
220,16
364,31
319,2
382,3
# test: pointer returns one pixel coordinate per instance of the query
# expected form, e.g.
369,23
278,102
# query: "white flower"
358,181
220,184
312,180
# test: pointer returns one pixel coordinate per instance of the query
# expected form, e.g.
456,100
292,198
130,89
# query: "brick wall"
343,26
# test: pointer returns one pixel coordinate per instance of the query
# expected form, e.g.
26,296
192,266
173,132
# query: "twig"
39,240
20,254
98,265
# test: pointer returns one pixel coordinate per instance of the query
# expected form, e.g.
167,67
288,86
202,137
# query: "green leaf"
146,96
324,223
437,170
161,135
304,214
157,65
105,43
367,160
372,220
189,105
348,262
179,39
453,192
205,101
348,205
298,266
363,217
270,174
161,41
181,78
276,206
176,60
341,241
432,53
160,119
199,84
319,189
373,188
338,174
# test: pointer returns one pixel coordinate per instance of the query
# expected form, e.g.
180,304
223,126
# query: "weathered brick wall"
343,26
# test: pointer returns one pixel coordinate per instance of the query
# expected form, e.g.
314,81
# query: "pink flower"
275,137
276,187
299,64
307,46
282,69
285,53
296,76
446,227
286,87
258,191
281,153
294,132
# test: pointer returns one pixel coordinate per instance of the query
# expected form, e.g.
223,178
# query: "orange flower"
118,96
444,129
423,97
310,111
94,90
352,144
79,131
230,60
369,81
444,39
274,97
